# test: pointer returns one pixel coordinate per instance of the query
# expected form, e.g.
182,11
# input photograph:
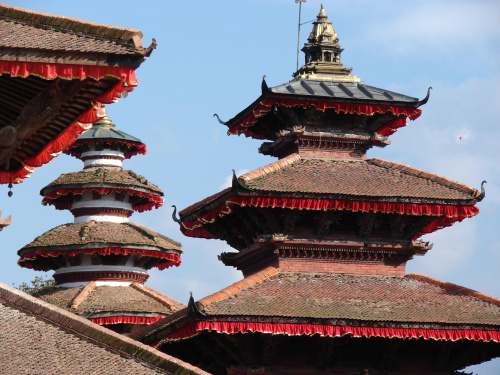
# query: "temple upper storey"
322,54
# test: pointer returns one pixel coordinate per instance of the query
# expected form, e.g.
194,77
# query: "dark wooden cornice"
39,111
266,252
72,57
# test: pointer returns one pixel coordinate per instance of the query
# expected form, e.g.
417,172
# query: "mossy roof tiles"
111,300
101,234
24,29
362,178
39,338
102,177
408,299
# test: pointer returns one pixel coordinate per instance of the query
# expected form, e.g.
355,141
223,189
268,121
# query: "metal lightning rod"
298,34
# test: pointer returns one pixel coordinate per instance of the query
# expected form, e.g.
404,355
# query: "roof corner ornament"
265,87
483,192
426,99
234,183
147,52
194,307
174,216
218,118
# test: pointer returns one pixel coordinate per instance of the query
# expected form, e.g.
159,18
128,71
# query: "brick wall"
353,267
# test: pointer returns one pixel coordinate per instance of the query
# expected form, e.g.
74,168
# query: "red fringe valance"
154,201
328,331
125,319
50,151
363,109
67,71
135,148
447,214
141,149
392,126
31,259
83,122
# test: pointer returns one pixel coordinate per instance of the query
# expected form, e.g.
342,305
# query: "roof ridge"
424,174
239,285
152,234
156,295
206,200
149,329
273,167
92,332
102,177
76,25
455,288
82,295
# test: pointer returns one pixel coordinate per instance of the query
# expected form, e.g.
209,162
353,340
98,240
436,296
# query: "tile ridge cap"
239,285
42,19
90,332
269,168
454,287
82,295
448,182
157,296
160,324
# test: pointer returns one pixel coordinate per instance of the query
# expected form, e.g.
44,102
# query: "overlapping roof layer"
334,305
377,178
104,301
102,177
104,233
40,338
104,238
409,299
340,90
24,34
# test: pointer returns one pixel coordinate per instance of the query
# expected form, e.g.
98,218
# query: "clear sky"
210,59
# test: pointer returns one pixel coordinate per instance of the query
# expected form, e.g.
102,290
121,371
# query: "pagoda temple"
322,236
101,260
56,71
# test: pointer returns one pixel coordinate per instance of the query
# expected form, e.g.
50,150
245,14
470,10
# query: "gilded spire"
323,31
322,52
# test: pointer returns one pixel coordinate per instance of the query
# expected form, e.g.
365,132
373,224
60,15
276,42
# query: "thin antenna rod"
298,33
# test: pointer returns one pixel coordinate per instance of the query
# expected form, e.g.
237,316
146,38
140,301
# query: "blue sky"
210,58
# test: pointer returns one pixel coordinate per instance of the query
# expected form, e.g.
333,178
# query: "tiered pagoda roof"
104,132
443,325
319,184
99,304
335,305
102,257
346,104
323,236
48,250
56,72
144,195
